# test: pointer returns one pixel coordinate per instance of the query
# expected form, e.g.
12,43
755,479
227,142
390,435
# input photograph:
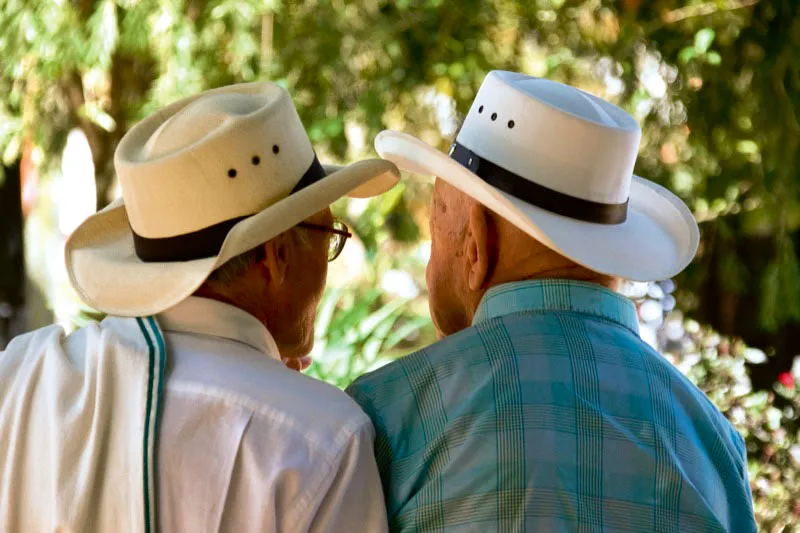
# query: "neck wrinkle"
569,272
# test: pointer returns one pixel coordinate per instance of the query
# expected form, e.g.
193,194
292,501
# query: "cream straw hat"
203,180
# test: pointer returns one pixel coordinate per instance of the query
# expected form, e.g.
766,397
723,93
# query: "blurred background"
715,85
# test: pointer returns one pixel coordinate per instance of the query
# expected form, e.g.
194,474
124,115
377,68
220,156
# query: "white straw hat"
203,180
558,163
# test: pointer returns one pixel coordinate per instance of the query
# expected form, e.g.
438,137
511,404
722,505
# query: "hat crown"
201,118
220,155
553,135
574,102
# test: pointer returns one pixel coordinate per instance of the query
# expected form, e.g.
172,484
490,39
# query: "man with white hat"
177,413
541,409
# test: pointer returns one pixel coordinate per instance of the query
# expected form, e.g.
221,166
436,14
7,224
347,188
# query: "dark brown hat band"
539,195
205,242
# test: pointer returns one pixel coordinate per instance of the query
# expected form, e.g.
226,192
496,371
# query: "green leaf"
747,147
732,273
347,322
391,198
103,33
789,281
703,40
12,150
325,311
456,70
780,296
713,58
388,311
401,333
682,181
687,54
374,344
97,115
87,315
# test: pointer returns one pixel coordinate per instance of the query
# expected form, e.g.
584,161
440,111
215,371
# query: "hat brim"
107,274
658,239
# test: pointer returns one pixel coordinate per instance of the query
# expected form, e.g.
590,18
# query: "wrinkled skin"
283,289
473,249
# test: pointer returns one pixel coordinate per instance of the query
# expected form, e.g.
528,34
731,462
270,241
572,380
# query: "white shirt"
246,444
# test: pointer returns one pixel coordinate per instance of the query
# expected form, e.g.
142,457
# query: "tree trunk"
12,265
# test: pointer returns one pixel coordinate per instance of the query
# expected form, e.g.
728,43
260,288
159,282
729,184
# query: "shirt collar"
557,295
204,316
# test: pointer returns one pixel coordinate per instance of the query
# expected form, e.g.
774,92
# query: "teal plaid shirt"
551,414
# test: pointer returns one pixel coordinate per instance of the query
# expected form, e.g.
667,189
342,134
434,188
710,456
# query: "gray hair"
229,272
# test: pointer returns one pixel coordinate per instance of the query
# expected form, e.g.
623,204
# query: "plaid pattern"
551,414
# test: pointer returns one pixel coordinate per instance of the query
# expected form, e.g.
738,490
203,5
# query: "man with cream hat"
541,409
176,413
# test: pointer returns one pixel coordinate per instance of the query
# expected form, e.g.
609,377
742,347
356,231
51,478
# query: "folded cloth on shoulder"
77,428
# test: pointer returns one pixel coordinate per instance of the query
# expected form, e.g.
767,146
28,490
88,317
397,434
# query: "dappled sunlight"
715,86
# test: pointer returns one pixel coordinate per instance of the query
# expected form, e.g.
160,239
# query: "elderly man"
183,417
542,409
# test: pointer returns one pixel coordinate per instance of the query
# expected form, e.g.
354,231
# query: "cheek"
309,281
429,281
317,271
322,268
439,279
436,272
431,276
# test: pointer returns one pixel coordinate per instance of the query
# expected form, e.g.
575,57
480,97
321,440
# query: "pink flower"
786,379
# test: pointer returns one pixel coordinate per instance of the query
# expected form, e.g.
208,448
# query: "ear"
276,259
478,247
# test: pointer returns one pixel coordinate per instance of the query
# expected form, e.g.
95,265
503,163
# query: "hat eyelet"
232,173
494,116
256,160
480,109
510,124
275,149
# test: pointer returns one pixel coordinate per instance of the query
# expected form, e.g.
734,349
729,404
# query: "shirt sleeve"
351,498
